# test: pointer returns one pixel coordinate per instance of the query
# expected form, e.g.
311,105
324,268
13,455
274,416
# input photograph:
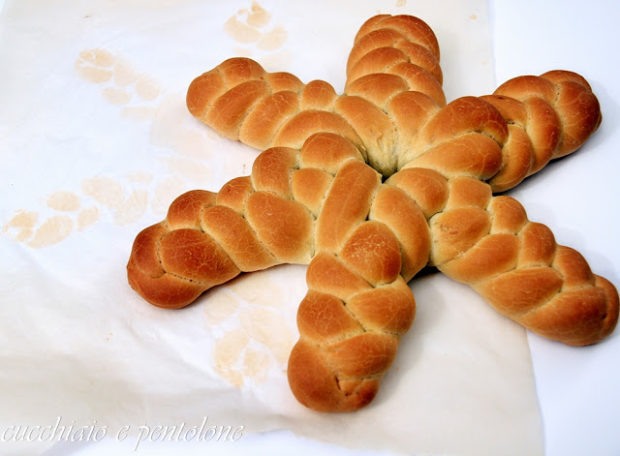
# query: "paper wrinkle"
110,145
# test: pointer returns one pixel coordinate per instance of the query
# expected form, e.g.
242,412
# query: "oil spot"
64,201
257,16
96,75
22,219
273,39
97,57
400,3
228,350
250,288
20,227
256,338
24,234
221,306
87,217
147,88
256,364
52,231
132,209
251,27
105,191
93,65
138,95
243,33
268,328
124,74
116,95
120,81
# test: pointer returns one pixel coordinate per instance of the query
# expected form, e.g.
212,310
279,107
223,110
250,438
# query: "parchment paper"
96,141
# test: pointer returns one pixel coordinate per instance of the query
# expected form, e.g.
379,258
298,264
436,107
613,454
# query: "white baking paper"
95,143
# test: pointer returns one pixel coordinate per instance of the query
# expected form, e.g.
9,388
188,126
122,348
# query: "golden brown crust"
329,275
398,211
235,192
372,251
290,241
309,187
314,385
346,205
324,317
426,187
389,309
196,256
401,35
244,247
562,112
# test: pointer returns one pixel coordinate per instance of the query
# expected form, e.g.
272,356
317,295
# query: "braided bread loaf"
312,199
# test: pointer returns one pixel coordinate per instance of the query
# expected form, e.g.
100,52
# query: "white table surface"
576,197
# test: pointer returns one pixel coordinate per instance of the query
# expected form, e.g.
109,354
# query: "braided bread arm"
505,137
388,50
252,223
358,304
516,265
557,111
392,44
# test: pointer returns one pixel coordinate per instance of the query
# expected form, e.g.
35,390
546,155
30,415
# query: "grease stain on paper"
139,98
126,207
252,336
105,191
64,201
121,84
254,29
94,65
72,212
165,112
52,231
21,225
